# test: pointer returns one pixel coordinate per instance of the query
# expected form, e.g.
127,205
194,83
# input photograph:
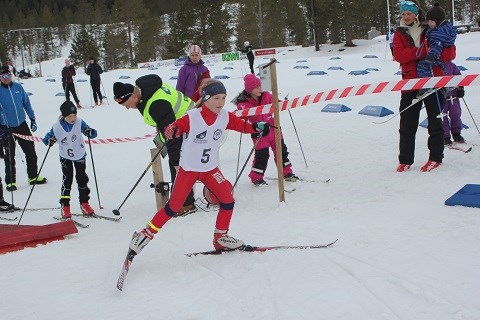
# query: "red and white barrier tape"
407,84
93,141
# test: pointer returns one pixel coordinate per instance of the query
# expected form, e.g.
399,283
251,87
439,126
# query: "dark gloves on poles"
460,92
262,127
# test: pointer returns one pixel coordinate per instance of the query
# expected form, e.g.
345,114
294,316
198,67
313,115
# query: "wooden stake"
160,199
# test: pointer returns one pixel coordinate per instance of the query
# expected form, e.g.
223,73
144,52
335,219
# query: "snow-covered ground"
401,253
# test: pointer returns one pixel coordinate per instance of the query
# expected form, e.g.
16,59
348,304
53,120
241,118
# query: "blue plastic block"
124,77
228,68
335,68
82,80
358,72
221,77
370,56
173,78
462,68
398,73
335,58
468,196
424,124
332,107
316,73
473,58
301,67
372,69
50,80
375,111
60,94
301,61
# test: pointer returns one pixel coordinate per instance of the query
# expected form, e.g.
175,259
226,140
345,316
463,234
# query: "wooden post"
278,136
161,195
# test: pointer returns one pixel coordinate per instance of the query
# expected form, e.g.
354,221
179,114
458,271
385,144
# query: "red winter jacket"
408,55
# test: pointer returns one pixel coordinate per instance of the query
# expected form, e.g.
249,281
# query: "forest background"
122,33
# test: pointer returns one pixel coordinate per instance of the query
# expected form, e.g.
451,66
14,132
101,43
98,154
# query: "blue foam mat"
468,196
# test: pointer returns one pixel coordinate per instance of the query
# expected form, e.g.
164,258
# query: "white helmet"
246,43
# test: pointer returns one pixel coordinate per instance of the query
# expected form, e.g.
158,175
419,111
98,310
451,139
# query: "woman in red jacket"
409,47
202,129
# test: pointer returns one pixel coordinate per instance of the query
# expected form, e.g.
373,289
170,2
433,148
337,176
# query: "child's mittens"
170,131
430,58
90,133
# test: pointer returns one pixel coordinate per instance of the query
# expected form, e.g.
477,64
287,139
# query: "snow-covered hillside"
401,253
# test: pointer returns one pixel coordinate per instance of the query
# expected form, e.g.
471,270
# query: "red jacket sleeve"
183,125
238,124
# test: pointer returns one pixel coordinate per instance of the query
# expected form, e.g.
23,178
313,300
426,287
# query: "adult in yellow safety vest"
160,105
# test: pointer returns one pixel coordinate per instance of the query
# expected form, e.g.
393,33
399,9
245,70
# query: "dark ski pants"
409,121
81,177
28,147
250,63
97,94
70,87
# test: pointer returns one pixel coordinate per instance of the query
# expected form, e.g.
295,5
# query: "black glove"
262,127
52,141
88,132
460,92
5,133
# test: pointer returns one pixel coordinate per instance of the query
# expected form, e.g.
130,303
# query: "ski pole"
238,157
33,186
296,133
94,173
471,115
246,161
104,92
117,211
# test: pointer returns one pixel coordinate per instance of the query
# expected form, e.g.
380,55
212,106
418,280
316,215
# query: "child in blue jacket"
68,133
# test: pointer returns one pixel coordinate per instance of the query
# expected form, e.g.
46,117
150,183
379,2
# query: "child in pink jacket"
251,97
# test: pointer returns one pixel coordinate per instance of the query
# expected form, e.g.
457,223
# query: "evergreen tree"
83,47
149,40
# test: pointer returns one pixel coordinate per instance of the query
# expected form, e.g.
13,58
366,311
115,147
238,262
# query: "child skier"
68,131
251,97
202,129
441,34
452,109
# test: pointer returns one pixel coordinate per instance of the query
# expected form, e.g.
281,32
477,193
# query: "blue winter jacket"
440,37
14,102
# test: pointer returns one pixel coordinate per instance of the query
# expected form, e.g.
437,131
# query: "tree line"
121,33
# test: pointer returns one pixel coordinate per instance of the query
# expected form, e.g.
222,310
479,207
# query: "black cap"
122,91
67,108
5,69
436,13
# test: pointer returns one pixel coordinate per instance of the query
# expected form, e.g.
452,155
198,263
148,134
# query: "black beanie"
436,13
122,91
67,108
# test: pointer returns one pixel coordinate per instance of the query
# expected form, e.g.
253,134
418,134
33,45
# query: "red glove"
170,131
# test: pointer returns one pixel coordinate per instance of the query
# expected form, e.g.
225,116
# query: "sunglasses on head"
120,99
6,75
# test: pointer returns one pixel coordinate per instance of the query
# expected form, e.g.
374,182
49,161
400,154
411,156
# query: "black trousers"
409,121
97,94
250,62
81,177
173,147
28,147
70,87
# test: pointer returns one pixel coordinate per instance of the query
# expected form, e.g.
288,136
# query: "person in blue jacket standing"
14,108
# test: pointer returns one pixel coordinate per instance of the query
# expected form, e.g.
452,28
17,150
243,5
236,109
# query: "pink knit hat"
251,82
194,48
